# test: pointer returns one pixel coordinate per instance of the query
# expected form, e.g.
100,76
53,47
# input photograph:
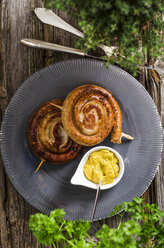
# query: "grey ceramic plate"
50,187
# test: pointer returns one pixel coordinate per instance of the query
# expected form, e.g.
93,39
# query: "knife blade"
49,17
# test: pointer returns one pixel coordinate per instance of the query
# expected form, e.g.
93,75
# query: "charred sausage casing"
90,113
47,137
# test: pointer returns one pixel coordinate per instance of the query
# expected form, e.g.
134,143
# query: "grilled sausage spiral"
47,136
89,114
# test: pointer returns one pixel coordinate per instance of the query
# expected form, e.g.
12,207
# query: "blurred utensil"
51,46
55,47
49,17
96,200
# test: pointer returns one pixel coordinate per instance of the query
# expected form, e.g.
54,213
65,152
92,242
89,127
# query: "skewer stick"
127,136
42,161
57,106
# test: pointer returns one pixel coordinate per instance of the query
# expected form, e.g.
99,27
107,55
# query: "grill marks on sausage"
62,140
89,121
61,148
57,136
90,113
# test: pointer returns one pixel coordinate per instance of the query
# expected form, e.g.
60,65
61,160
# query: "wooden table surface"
18,62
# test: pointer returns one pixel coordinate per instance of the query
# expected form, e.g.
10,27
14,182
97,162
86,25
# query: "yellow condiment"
102,164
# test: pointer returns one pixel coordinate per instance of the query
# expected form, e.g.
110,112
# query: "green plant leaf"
130,25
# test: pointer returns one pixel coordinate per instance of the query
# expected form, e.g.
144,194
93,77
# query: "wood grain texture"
18,62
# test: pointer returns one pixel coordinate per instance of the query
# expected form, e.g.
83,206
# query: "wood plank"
155,88
17,63
158,96
151,80
160,174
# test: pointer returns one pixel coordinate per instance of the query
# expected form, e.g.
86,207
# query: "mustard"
101,164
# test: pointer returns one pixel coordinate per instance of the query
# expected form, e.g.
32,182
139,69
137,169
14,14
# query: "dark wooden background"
17,62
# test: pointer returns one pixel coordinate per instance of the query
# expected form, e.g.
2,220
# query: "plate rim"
36,74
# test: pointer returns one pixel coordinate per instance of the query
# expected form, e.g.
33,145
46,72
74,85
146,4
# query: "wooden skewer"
127,136
57,106
42,161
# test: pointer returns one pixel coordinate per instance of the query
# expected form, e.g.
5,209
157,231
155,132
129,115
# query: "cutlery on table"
49,17
55,47
96,200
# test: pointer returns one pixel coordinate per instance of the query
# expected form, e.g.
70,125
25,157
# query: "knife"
49,17
55,47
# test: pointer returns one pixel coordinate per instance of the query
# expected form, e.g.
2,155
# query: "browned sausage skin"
90,113
47,136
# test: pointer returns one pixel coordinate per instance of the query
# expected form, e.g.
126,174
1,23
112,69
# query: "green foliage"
54,229
134,26
145,228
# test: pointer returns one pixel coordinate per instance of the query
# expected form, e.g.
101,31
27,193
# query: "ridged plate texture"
50,187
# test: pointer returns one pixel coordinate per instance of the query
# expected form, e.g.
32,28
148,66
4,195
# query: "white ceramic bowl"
80,179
